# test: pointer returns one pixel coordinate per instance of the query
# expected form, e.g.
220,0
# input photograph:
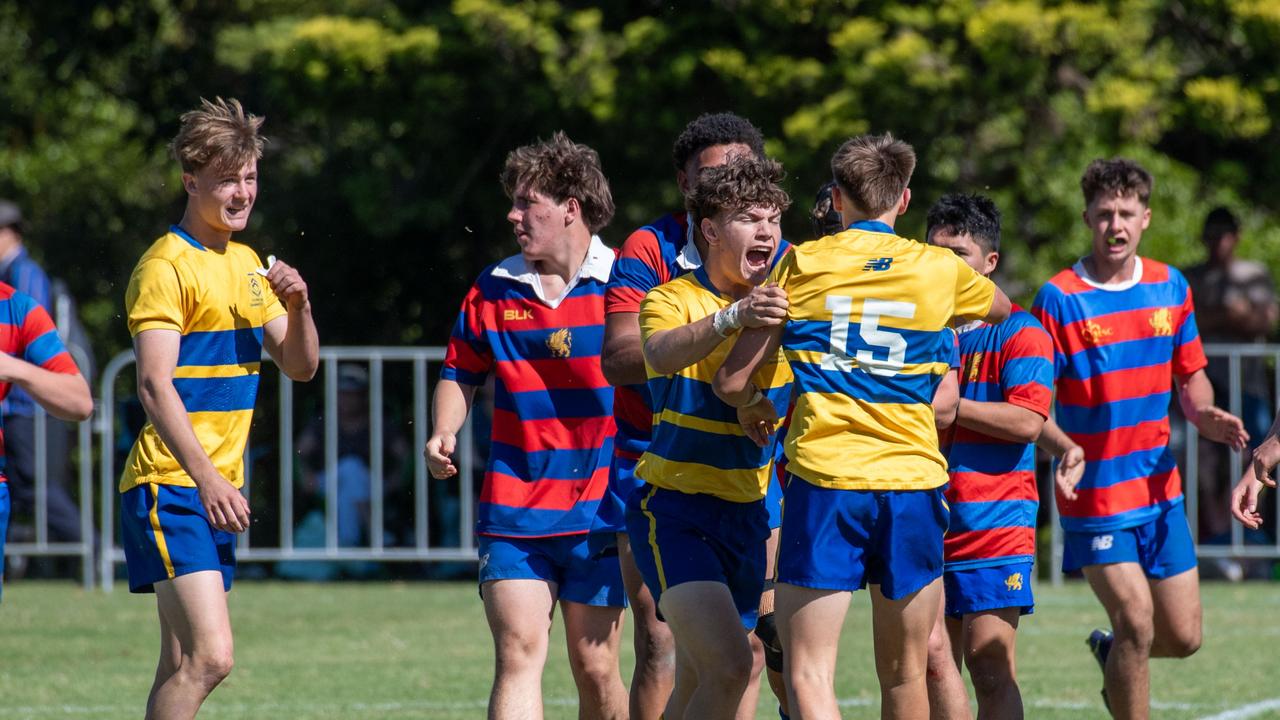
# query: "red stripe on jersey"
1111,328
1122,441
568,433
552,374
502,489
462,354
516,314
982,487
621,299
1122,497
990,543
1114,385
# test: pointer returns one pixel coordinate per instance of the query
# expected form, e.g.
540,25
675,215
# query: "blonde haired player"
201,308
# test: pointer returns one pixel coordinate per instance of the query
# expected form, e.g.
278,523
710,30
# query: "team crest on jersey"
1161,322
975,365
1094,333
560,343
1013,582
255,290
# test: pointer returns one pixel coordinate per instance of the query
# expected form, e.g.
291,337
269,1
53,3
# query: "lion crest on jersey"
1094,333
1161,322
560,343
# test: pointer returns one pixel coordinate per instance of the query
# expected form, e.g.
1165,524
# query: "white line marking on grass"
1247,711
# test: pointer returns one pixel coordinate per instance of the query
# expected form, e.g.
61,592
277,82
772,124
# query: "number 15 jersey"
866,341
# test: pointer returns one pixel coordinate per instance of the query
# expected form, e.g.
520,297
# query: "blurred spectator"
1235,303
24,274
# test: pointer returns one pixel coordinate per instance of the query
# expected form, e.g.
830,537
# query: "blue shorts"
680,537
995,587
166,533
611,518
1162,546
773,501
847,539
4,527
579,575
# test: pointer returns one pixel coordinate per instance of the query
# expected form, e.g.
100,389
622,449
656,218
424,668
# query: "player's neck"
1110,273
204,233
888,218
566,263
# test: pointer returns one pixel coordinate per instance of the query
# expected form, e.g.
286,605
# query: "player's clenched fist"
288,285
226,508
763,307
439,454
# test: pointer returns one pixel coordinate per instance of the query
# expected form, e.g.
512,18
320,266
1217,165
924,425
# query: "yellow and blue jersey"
218,304
866,339
697,444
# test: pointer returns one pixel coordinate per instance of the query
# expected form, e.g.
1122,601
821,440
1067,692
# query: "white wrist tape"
754,399
726,320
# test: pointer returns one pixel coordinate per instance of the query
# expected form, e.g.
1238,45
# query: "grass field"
418,650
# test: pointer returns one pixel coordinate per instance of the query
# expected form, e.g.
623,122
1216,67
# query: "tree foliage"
389,122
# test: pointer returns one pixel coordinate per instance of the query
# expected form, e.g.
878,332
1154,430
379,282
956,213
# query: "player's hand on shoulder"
439,454
764,306
288,285
1221,426
1070,470
227,509
758,421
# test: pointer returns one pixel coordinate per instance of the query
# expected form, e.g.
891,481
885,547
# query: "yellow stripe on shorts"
161,545
653,537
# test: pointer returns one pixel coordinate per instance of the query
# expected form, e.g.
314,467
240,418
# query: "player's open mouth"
1116,242
759,257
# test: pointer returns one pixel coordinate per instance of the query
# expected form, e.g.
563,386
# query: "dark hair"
561,169
710,130
1220,221
1120,176
744,182
973,215
826,220
873,171
218,134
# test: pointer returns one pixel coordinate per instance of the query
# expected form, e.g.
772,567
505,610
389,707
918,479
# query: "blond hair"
219,134
873,171
561,169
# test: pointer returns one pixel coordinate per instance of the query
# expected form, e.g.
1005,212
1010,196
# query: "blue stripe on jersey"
923,346
972,516
507,345
862,385
1086,419
559,464
1126,355
465,377
687,445
1137,464
44,348
220,347
1090,304
993,458
219,394
506,521
548,404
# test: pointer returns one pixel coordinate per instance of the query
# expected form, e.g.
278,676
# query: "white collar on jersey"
1080,270
689,257
597,265
969,326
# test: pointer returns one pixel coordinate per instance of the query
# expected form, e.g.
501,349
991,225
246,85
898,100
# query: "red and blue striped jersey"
553,429
992,492
27,333
1116,351
651,256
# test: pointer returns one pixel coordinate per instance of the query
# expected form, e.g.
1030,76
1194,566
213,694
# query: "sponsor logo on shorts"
1101,542
1013,582
484,560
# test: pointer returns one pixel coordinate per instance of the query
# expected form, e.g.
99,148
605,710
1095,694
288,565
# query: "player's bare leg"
686,681
195,647
1176,606
776,682
594,636
988,645
948,699
809,622
655,648
519,615
1125,593
902,630
709,633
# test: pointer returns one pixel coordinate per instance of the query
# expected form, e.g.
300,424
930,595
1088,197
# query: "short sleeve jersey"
218,304
1116,351
27,332
552,430
698,445
867,341
992,493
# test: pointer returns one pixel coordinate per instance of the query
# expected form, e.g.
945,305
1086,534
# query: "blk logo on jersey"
1161,323
1101,542
560,343
525,314
1013,582
878,264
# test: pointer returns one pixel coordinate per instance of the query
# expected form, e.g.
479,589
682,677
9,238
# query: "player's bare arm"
64,396
157,352
1002,420
1001,306
449,411
1195,394
622,359
733,380
670,351
292,341
946,400
1070,457
1244,498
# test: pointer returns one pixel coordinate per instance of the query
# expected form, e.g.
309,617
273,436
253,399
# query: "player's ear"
572,211
1146,217
189,183
709,231
993,259
905,201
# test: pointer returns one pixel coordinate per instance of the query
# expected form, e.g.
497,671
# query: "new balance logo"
1101,542
878,264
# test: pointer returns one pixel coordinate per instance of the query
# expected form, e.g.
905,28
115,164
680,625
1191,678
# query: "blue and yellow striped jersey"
218,304
697,444
867,343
